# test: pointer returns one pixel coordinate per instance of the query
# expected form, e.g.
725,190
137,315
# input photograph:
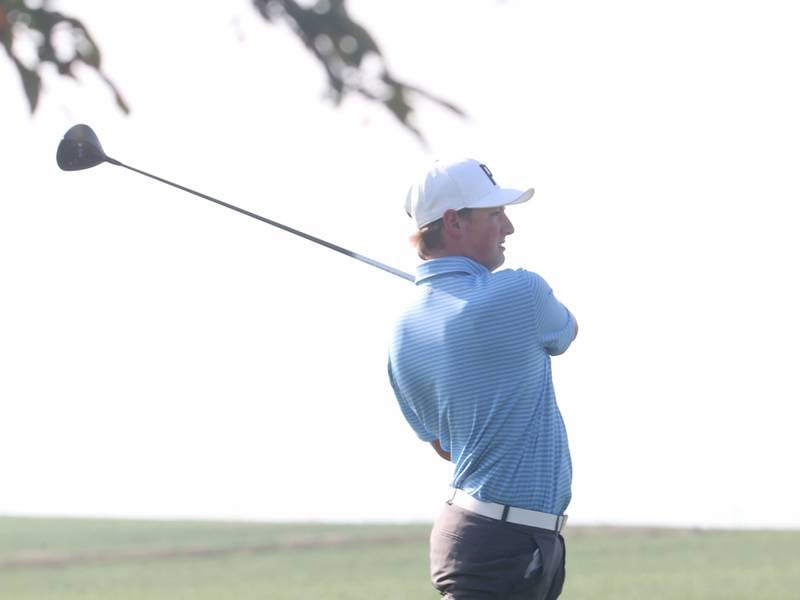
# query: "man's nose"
509,226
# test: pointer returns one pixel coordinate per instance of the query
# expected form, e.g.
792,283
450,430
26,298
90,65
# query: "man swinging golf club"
470,367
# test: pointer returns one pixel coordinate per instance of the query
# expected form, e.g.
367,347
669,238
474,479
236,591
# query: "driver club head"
80,149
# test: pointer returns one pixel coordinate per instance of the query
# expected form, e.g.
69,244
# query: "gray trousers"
476,558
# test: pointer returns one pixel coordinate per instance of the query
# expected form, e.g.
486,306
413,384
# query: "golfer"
470,367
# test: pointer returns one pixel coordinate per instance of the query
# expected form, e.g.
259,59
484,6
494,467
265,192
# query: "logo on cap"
488,173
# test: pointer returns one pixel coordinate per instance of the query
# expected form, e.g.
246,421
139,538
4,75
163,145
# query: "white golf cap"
464,183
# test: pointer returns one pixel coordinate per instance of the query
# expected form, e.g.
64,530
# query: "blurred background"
161,356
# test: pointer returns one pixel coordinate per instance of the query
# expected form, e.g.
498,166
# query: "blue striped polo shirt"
469,363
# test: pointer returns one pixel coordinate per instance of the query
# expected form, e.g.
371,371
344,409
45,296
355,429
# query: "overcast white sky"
163,356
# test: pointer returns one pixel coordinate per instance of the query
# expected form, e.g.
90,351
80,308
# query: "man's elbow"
557,350
560,347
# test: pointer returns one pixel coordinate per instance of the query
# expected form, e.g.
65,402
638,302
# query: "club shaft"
310,238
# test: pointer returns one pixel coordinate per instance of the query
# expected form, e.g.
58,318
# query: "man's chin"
498,262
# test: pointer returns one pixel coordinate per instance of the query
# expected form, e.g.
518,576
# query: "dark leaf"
123,106
31,83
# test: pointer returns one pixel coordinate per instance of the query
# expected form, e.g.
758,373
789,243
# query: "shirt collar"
447,265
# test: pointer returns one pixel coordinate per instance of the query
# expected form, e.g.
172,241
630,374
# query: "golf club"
80,149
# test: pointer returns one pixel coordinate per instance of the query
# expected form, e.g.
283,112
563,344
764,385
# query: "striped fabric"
470,366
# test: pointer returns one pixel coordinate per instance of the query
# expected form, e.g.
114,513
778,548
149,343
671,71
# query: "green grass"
88,559
683,565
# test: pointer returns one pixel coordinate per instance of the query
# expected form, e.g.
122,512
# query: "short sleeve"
408,412
556,323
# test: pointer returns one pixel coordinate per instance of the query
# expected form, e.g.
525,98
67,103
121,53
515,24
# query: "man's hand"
440,451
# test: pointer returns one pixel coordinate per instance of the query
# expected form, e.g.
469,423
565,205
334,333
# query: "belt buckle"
561,522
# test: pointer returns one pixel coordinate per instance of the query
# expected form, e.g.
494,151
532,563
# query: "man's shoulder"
517,277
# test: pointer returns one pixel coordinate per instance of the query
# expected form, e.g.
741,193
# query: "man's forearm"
440,451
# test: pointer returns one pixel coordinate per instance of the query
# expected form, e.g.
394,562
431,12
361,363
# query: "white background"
162,356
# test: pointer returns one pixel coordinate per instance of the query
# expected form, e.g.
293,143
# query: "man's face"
485,230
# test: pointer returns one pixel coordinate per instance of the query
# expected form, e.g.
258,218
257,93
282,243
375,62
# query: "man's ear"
451,223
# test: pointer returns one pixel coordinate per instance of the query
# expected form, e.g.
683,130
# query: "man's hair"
429,237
